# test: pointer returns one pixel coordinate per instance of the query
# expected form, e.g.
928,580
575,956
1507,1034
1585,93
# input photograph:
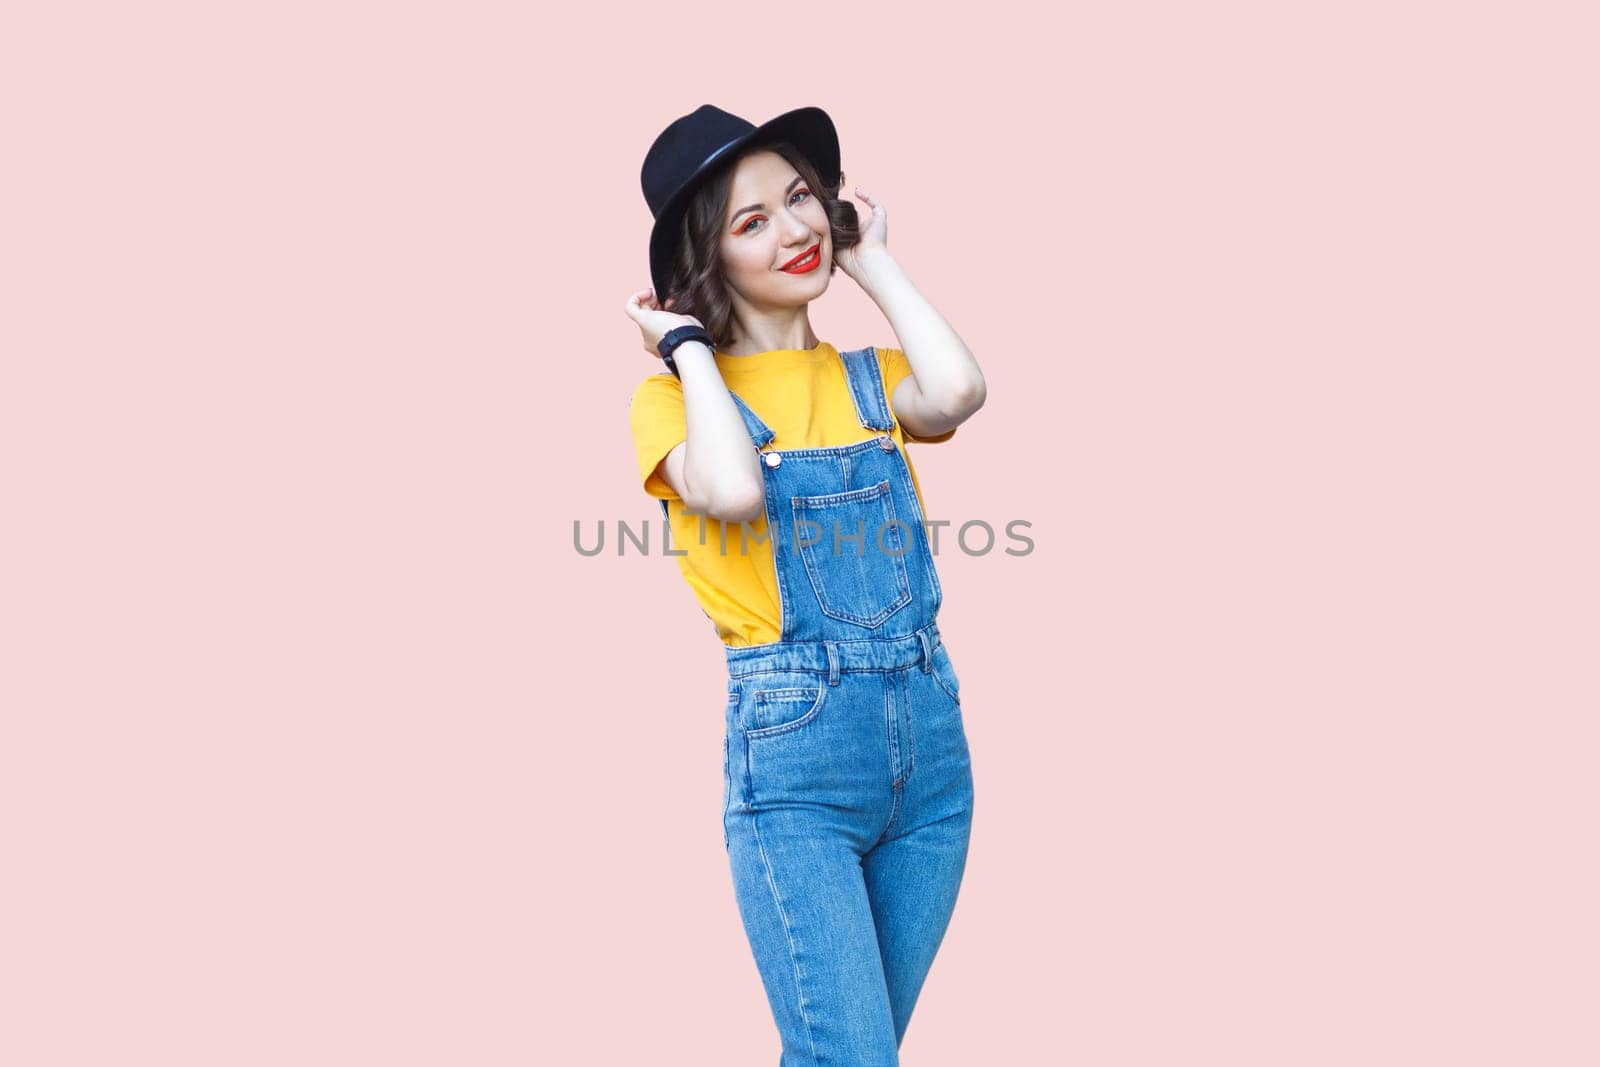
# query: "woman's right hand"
654,321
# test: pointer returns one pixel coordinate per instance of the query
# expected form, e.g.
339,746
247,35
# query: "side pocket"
944,673
783,711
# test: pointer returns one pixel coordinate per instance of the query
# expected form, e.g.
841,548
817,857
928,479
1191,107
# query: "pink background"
322,744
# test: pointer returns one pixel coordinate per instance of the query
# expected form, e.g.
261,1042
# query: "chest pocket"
854,548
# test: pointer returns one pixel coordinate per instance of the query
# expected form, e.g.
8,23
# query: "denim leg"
809,792
914,873
804,904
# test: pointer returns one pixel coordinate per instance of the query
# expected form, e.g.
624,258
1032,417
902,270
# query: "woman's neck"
754,338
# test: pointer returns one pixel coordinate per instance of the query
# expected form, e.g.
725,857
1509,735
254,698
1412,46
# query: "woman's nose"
795,227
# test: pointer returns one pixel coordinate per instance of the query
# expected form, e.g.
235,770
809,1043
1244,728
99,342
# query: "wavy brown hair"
697,286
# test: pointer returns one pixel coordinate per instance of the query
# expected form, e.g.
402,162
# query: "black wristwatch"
675,337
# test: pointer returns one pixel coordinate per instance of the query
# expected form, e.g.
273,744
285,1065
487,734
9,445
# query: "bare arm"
715,470
945,385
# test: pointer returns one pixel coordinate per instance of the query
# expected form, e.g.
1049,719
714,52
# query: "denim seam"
785,623
947,690
772,657
844,496
747,792
911,730
885,410
794,955
894,813
866,444
927,548
872,402
891,726
727,784
820,672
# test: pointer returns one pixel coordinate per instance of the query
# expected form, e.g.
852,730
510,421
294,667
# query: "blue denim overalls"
847,780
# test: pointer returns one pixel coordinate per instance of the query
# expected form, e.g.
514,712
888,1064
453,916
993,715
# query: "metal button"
886,443
771,459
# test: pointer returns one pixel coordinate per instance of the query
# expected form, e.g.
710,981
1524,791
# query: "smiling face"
773,218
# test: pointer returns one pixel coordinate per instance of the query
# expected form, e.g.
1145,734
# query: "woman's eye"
747,227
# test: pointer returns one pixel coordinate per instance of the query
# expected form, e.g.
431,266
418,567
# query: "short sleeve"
655,411
895,367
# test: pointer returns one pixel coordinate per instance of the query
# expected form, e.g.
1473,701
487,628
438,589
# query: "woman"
781,466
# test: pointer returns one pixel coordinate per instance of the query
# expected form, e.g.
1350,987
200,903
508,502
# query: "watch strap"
677,336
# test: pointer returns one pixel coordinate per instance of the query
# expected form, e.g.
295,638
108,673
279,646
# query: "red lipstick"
806,261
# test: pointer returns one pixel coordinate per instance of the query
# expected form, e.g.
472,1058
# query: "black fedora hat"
687,152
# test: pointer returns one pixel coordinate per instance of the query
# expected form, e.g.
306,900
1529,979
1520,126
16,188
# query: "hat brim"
809,129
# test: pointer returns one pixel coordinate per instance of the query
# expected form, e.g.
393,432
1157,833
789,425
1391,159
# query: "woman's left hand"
874,238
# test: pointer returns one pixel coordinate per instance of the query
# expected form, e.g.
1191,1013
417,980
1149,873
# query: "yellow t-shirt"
803,396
